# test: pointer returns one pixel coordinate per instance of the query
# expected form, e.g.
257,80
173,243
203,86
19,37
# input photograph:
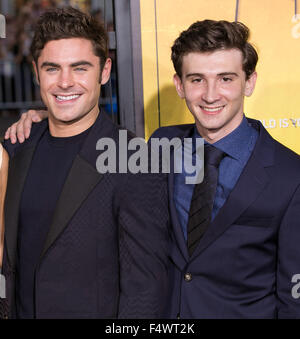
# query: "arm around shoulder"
144,246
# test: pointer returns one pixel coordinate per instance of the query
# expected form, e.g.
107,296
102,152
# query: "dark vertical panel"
124,63
27,82
18,82
8,86
137,69
109,81
129,62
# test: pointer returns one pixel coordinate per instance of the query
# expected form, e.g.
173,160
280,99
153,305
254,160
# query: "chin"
210,126
65,118
211,123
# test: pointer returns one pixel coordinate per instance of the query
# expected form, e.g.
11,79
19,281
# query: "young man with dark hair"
236,235
78,243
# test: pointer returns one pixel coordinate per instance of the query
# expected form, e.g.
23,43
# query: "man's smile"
63,98
212,110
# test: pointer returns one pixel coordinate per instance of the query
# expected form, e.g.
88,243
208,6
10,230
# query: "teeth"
64,98
212,109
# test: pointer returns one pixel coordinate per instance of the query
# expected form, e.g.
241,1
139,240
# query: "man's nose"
65,79
211,93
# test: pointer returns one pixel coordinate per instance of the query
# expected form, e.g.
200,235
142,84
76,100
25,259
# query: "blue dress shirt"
238,146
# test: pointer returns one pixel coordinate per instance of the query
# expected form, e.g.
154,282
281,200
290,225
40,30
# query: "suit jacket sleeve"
10,148
143,246
288,264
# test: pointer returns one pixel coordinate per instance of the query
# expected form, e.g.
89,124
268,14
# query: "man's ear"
105,72
36,72
178,84
250,84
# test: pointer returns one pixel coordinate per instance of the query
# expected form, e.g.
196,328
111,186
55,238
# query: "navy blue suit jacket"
244,264
106,252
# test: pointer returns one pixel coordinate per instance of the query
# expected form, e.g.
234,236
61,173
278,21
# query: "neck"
63,129
214,135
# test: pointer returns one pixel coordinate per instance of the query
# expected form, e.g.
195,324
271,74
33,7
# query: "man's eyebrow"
49,64
202,75
75,64
194,75
228,73
81,63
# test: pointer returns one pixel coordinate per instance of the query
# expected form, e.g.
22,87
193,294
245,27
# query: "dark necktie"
203,197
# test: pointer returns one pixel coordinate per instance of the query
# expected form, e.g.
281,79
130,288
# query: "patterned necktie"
203,197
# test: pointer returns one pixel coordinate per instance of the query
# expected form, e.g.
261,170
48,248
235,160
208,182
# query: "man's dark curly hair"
67,23
210,35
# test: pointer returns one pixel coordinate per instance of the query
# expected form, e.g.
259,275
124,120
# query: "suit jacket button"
188,277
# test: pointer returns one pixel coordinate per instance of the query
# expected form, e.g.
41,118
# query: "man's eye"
80,69
226,79
196,80
51,69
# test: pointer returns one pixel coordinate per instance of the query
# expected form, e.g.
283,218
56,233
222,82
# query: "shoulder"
172,131
4,159
285,160
36,130
105,127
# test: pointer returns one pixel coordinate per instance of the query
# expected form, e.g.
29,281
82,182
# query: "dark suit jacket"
244,264
106,252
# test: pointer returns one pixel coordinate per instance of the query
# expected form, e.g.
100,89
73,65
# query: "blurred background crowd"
18,90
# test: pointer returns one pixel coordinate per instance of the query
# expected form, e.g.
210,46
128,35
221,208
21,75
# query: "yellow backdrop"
275,31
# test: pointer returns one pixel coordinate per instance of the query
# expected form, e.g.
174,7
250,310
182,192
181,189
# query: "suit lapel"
17,174
81,180
251,183
18,169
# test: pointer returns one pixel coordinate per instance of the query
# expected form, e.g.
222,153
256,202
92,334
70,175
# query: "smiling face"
68,72
214,85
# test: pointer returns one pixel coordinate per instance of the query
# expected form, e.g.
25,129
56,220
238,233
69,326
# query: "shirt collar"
236,143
